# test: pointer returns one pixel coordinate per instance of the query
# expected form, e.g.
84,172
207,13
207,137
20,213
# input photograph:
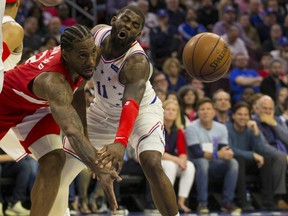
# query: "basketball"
206,57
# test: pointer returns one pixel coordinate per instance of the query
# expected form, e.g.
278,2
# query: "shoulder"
97,27
13,29
219,126
194,125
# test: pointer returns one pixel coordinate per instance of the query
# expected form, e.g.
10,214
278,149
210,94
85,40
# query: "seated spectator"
249,29
284,116
281,52
175,12
242,77
235,43
285,26
222,105
174,159
161,94
54,28
31,39
249,150
253,104
247,95
275,33
265,61
172,69
164,39
281,97
198,86
275,135
48,43
190,27
263,28
272,83
21,173
207,142
207,14
159,82
188,99
228,20
155,5
64,15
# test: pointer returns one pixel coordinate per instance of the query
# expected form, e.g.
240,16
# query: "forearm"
244,81
5,158
82,148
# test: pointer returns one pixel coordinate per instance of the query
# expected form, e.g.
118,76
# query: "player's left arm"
135,74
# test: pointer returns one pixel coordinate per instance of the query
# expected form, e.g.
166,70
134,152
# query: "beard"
275,74
121,42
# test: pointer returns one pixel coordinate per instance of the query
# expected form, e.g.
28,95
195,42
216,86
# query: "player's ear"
113,20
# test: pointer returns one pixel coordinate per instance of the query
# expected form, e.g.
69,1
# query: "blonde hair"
168,62
177,122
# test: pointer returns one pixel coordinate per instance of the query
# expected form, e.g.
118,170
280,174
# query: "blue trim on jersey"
155,98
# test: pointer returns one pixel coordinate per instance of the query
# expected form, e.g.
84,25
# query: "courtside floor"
282,213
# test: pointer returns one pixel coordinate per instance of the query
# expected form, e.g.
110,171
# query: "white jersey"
14,57
108,88
2,8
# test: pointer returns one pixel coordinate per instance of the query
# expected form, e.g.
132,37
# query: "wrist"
122,140
215,155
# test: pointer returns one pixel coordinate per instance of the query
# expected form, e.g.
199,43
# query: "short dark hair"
240,105
203,101
72,35
136,10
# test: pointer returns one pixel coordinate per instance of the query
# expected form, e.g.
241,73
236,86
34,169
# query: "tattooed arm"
55,89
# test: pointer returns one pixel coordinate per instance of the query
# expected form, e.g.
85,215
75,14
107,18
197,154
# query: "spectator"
263,29
188,99
37,12
164,39
31,39
255,12
284,116
21,173
281,52
242,77
246,142
275,135
114,6
265,61
54,28
222,105
272,83
247,95
155,5
48,43
175,12
207,14
228,20
235,43
174,160
198,86
281,97
285,26
207,142
271,43
190,27
159,82
172,68
64,15
249,29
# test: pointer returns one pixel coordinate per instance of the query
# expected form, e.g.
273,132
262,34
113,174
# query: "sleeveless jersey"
14,57
18,81
108,88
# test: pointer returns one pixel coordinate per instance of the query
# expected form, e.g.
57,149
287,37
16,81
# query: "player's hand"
113,153
253,126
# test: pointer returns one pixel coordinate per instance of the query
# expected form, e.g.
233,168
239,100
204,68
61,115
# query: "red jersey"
20,109
18,81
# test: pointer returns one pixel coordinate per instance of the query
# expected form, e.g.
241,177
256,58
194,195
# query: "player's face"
241,117
126,28
82,58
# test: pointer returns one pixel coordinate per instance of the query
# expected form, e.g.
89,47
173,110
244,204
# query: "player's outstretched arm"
134,75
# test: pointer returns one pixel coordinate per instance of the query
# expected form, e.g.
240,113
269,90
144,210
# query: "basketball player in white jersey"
126,107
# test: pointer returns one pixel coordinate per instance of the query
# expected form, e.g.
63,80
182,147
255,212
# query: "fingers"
110,195
120,166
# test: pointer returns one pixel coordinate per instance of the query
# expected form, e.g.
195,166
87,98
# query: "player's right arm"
54,88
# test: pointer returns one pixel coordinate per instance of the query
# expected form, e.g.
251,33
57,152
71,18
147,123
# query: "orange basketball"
206,57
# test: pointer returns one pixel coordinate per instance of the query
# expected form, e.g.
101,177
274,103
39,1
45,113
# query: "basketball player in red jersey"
36,102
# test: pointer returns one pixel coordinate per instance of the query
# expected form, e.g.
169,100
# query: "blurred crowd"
224,131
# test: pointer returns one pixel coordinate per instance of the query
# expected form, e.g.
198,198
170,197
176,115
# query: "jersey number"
103,93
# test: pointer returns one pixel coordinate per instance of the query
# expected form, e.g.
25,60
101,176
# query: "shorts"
148,132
